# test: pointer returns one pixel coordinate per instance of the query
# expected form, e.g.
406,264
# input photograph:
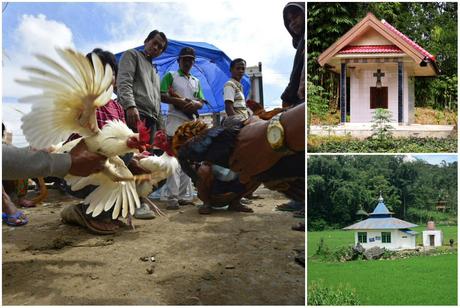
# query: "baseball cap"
187,52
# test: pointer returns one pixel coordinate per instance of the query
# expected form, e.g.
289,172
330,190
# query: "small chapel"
383,230
377,65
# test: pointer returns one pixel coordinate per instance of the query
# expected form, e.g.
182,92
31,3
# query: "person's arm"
125,87
229,97
253,154
20,163
181,103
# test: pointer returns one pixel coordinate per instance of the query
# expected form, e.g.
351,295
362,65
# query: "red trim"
408,40
371,49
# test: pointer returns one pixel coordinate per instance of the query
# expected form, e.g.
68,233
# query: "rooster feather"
67,104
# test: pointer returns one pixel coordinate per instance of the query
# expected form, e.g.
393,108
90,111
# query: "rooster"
259,111
161,167
203,154
68,105
198,146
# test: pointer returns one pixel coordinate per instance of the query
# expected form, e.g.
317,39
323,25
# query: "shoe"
185,202
144,212
204,209
299,214
299,227
172,205
245,201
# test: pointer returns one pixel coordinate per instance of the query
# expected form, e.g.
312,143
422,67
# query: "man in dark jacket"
294,21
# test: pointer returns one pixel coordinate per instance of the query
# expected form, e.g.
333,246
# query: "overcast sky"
252,30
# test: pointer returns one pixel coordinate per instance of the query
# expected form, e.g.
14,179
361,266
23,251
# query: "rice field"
422,280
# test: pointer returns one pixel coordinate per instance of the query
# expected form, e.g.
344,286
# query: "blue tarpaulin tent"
212,68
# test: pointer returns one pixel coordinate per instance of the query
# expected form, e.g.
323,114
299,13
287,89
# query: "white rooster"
161,167
68,105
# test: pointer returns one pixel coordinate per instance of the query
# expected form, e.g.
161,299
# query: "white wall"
362,78
437,237
399,240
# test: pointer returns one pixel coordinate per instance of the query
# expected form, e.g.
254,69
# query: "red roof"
371,49
408,40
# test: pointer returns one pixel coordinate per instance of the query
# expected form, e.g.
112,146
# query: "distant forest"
433,25
339,186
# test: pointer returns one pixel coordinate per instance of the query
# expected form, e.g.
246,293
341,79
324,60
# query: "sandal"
204,209
291,206
74,215
20,219
240,208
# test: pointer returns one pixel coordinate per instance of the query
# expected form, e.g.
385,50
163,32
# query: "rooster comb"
187,131
144,132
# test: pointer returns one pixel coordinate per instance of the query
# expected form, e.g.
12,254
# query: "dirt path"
222,259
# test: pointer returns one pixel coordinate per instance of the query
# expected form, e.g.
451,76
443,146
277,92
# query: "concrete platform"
364,130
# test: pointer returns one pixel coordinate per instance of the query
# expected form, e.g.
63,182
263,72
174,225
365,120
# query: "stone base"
364,130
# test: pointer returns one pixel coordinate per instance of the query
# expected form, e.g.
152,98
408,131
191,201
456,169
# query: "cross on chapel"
379,74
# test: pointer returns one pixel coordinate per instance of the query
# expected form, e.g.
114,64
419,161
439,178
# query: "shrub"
319,294
393,145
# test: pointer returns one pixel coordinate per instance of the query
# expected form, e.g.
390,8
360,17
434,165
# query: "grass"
436,117
422,280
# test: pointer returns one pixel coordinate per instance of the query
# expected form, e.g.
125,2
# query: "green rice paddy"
421,280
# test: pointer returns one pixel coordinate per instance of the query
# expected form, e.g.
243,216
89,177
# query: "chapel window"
386,237
362,237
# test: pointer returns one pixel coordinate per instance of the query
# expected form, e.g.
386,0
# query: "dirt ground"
225,258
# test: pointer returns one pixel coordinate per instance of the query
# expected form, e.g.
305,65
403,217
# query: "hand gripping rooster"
68,105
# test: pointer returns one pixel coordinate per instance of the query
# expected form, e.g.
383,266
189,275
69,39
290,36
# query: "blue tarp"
212,68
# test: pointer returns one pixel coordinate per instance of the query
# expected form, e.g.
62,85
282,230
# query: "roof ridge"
408,40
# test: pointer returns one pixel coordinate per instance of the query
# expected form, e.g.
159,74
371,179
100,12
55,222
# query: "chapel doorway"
431,240
379,97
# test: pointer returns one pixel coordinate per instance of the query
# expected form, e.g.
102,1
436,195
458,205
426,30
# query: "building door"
379,97
431,240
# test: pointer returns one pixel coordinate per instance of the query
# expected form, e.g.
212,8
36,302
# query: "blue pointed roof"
381,209
379,219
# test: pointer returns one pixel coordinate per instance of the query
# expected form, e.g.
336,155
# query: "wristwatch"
275,135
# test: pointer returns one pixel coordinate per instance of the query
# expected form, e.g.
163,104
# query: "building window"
362,237
386,237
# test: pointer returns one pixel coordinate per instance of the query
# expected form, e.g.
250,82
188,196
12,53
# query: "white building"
377,65
384,231
431,236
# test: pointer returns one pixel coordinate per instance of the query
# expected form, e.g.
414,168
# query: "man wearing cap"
182,91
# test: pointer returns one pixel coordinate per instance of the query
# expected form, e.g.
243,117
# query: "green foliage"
317,144
344,184
381,119
317,101
320,294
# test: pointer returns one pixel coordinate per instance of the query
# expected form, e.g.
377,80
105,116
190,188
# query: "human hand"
253,154
132,117
85,162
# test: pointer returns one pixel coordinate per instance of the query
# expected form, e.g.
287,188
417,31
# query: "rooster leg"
129,220
153,206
